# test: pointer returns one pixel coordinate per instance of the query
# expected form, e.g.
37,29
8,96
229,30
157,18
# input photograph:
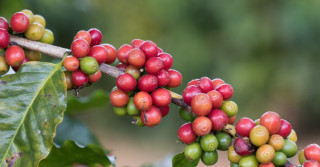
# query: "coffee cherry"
302,158
89,65
293,136
96,36
4,67
271,120
232,120
185,115
136,43
161,97
154,65
201,104
80,48
167,60
138,121
79,79
249,161
149,48
312,152
289,148
4,38
285,128
67,75
164,110
209,143
226,91
217,82
122,66
120,111
85,35
32,55
99,53
17,68
34,32
233,156
19,22
175,78
123,53
95,77
163,78
151,117
224,141
259,135
311,163
279,159
119,98
126,82
269,164
193,151
209,158
71,63
29,14
112,53
47,37
193,82
205,84
233,165
218,118
136,58
189,92
276,141
201,126
14,56
134,71
216,98
39,19
4,23
243,147
131,108
244,126
148,83
142,100
265,153
257,121
230,108
186,134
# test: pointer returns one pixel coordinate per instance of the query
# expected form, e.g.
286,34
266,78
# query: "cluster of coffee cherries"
310,156
142,91
25,24
209,101
266,142
87,54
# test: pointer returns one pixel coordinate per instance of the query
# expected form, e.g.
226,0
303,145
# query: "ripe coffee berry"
232,119
164,110
218,118
96,36
17,68
80,48
123,53
205,84
189,92
285,128
201,126
167,60
14,56
149,48
201,104
4,23
271,120
193,82
136,57
265,153
95,77
154,65
4,38
151,117
142,100
216,98
71,63
217,82
161,97
312,152
67,75
112,53
175,78
136,43
79,78
226,91
311,163
82,34
99,53
243,147
186,134
244,126
126,82
119,98
19,22
163,78
122,66
148,83
276,141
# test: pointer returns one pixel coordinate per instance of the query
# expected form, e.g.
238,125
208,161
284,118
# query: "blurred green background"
267,50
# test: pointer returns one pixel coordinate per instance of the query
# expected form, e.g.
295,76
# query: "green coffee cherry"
209,158
193,151
289,148
230,108
209,143
89,65
185,115
224,141
249,161
279,159
120,111
47,37
131,108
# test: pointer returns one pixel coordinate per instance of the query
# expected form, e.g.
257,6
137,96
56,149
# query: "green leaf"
98,99
180,161
32,103
71,153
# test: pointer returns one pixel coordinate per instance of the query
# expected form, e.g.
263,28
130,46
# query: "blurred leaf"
98,99
71,153
179,160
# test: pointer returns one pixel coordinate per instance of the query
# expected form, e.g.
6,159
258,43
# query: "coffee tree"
33,101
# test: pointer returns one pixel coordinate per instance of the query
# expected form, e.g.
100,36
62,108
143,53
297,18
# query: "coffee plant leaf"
179,160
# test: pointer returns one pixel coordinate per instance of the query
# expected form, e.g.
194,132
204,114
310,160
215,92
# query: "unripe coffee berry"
39,19
89,65
47,37
34,32
134,71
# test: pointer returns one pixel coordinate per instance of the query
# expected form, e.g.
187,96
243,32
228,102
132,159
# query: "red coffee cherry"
148,83
85,35
142,100
186,134
149,48
126,82
17,68
175,78
216,98
161,97
71,63
271,121
193,82
163,78
4,38
99,52
136,43
151,117
14,56
167,60
218,118
244,126
243,147
232,120
226,91
201,104
205,84
217,82
79,78
189,92
122,66
96,36
164,110
123,53
154,65
112,53
93,78
4,23
119,98
136,58
285,128
312,152
80,48
19,22
311,163
201,126
160,50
